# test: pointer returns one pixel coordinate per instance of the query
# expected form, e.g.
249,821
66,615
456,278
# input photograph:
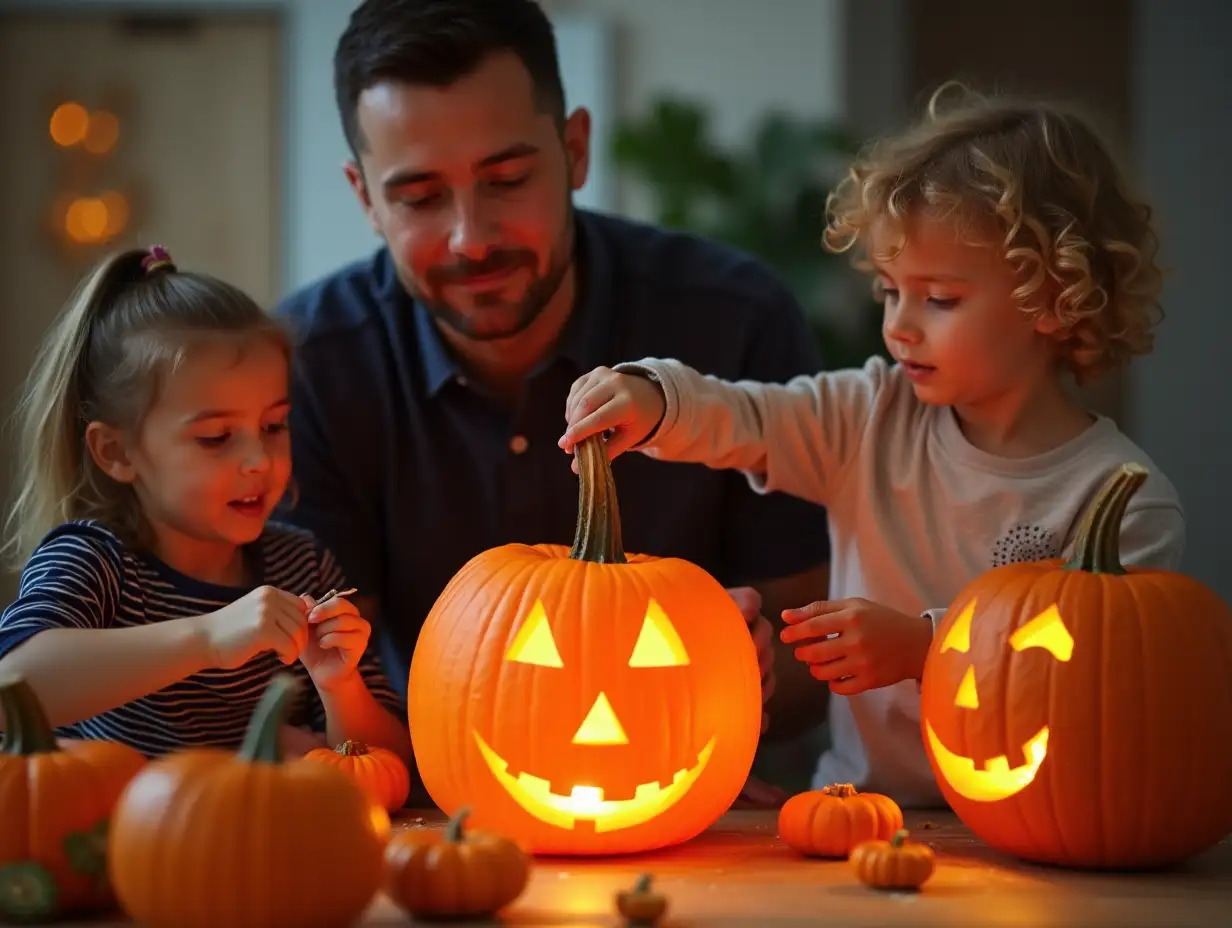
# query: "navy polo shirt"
405,471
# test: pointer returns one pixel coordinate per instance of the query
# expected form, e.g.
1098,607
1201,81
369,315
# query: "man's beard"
534,301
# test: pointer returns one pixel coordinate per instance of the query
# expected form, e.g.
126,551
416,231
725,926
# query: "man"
431,379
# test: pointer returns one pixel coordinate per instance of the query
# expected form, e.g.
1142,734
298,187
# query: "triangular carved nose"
600,725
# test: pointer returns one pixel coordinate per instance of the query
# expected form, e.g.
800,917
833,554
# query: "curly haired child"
1008,253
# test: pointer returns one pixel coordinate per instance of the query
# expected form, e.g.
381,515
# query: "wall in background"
1183,143
740,57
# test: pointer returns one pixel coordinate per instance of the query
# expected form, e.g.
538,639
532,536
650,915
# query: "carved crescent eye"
1047,630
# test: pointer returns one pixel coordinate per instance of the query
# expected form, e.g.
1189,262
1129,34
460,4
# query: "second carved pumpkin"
1066,704
581,701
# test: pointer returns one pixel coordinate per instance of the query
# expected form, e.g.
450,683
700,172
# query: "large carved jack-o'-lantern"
1078,712
582,702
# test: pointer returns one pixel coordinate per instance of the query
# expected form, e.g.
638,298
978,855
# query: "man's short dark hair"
436,42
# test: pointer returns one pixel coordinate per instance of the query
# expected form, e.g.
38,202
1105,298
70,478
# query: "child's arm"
795,437
59,633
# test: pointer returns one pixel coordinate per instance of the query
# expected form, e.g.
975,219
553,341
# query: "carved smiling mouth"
586,802
997,780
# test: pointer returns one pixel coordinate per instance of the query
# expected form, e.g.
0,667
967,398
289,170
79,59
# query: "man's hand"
748,600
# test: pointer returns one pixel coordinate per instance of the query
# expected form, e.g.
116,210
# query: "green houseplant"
766,198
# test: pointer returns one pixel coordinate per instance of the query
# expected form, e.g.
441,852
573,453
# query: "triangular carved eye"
534,644
658,645
958,638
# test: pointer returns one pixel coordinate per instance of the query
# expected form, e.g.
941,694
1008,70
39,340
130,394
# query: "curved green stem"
1097,548
263,740
453,831
26,728
899,837
598,522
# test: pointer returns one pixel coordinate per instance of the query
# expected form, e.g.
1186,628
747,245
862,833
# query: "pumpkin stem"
841,790
453,831
351,749
26,729
1097,548
899,837
598,521
643,883
263,741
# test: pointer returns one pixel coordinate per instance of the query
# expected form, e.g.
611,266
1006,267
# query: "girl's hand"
628,407
337,637
266,619
856,645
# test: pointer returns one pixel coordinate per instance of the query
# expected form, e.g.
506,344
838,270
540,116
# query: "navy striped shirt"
83,576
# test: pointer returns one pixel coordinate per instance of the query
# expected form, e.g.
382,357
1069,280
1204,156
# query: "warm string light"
88,219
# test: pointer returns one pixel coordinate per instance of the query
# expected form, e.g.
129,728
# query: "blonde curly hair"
1037,181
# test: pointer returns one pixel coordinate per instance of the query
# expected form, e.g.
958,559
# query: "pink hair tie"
157,258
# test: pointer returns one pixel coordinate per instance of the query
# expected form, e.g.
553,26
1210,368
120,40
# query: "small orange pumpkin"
640,905
377,771
207,837
432,875
55,800
894,864
829,822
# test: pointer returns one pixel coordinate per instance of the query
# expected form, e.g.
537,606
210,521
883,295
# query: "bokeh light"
101,133
69,124
90,220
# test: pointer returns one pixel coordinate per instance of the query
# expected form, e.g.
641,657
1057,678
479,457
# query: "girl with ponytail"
157,596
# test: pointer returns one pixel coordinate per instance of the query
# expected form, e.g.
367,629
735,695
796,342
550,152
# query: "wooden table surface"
738,873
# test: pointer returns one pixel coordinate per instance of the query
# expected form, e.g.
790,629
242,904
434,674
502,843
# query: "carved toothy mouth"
997,780
586,802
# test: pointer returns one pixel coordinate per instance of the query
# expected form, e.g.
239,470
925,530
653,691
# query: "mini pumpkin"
830,821
376,770
1053,690
208,837
894,864
55,800
432,874
582,701
641,905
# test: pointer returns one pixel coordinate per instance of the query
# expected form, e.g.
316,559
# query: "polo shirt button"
518,444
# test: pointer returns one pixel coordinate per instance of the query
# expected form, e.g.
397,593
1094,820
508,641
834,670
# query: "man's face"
470,186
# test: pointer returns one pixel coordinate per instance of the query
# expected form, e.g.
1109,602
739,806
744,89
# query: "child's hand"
267,619
630,407
337,637
874,645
